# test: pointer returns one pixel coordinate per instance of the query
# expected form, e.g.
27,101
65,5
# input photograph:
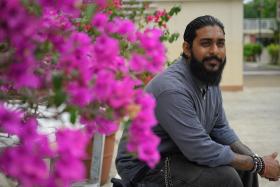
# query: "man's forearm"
240,148
242,162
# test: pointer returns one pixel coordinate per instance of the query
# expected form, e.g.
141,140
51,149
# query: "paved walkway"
255,115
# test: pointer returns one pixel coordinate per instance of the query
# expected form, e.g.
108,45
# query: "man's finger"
273,179
274,155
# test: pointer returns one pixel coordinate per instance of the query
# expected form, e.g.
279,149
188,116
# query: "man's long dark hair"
199,22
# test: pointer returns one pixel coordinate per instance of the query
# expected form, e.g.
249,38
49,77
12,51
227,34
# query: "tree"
268,9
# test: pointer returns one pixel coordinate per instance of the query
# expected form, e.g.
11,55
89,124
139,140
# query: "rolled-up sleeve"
176,114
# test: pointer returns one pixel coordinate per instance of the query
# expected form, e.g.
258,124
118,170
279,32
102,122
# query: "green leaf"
110,113
163,38
3,46
57,81
25,2
168,63
174,37
32,7
55,57
164,18
126,123
73,114
59,97
90,8
174,10
171,39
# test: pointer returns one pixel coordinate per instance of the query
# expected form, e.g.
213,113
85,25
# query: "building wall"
230,12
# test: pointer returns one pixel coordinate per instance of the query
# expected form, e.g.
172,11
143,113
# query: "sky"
246,1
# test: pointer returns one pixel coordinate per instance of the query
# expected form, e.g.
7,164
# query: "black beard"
211,78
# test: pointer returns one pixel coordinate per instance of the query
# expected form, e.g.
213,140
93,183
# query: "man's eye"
205,44
221,44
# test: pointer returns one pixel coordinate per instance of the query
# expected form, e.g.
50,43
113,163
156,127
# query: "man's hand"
272,167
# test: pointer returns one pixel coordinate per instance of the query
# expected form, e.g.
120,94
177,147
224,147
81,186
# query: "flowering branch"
81,60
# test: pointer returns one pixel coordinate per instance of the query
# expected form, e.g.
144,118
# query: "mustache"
212,58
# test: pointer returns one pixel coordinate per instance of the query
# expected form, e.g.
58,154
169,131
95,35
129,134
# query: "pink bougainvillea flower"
142,140
28,168
147,151
67,138
10,121
79,95
100,77
117,3
23,75
106,48
99,21
106,126
149,18
101,3
119,98
66,170
103,85
138,63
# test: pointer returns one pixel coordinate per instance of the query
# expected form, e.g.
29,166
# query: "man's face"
208,54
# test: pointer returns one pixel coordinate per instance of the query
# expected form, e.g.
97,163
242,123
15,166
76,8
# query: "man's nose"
214,49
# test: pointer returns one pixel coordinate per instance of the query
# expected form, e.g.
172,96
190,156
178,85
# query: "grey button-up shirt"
190,121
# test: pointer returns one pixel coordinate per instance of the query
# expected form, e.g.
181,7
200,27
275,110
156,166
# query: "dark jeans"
184,173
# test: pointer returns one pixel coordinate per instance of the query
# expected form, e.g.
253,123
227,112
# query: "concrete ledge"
267,72
232,88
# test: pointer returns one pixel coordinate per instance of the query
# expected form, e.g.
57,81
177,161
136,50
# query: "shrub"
273,50
251,51
257,49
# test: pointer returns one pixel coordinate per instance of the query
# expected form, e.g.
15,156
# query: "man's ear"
186,49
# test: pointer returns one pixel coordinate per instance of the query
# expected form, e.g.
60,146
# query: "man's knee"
224,176
230,177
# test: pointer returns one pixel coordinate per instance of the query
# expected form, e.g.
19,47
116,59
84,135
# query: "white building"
230,12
